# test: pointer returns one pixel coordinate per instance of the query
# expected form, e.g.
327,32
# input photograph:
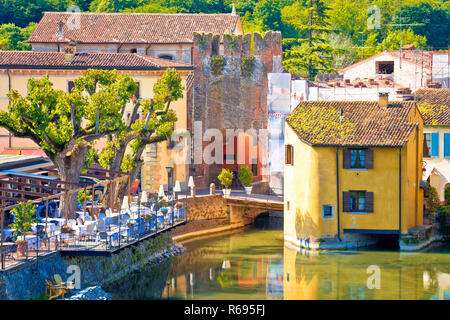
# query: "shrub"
433,198
225,177
447,195
245,176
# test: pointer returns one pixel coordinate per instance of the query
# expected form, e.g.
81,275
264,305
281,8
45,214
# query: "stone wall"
29,281
229,91
207,207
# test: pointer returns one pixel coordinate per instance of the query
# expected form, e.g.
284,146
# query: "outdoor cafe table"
81,230
50,227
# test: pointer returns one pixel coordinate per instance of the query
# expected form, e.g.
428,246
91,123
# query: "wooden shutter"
288,154
346,202
346,158
369,201
435,145
369,159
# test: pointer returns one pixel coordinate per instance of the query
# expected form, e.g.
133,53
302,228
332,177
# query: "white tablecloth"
33,241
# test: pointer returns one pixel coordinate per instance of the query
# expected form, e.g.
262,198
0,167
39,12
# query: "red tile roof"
364,123
439,103
123,61
131,27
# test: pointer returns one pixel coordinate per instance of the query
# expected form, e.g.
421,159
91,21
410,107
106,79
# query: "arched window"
166,56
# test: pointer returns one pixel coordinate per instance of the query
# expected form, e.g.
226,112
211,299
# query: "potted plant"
23,219
246,178
226,178
66,229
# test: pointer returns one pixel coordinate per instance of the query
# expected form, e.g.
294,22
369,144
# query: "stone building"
229,92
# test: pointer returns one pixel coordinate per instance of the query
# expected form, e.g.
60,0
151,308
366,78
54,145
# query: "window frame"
358,158
331,206
358,209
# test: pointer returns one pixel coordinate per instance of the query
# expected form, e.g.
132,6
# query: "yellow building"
16,68
353,170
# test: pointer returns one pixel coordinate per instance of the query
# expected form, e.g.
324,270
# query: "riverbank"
200,228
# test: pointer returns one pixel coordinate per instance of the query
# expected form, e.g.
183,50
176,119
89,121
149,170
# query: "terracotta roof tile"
439,101
30,59
364,123
132,27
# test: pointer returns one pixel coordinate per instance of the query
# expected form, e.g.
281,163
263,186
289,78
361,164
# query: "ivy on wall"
216,65
247,66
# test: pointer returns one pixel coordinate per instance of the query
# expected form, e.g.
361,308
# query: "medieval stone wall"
229,91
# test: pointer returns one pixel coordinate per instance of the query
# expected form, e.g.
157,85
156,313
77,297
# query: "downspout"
9,103
399,193
337,194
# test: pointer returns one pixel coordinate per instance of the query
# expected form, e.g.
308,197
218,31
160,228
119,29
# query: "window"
327,211
358,201
289,154
166,56
431,145
357,158
70,86
254,167
385,67
134,50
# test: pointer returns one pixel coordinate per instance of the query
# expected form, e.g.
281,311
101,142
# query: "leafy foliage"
225,177
23,218
245,176
433,198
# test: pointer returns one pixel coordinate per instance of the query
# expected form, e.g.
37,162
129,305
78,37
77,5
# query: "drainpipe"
9,103
337,194
399,192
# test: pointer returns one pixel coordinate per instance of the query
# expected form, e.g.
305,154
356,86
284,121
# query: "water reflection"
255,264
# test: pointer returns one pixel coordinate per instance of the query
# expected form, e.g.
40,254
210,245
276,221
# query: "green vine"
247,65
217,64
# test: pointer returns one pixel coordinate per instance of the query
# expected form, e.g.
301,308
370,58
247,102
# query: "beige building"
16,68
436,154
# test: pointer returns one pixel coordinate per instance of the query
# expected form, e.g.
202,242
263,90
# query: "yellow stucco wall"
19,81
312,182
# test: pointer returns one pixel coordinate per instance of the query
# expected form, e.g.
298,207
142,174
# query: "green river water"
254,263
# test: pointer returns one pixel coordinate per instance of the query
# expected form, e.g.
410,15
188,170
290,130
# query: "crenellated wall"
230,86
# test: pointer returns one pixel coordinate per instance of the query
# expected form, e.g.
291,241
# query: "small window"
134,50
289,154
228,157
328,211
166,56
427,145
70,86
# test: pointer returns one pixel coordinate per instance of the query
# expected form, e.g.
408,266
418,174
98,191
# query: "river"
254,263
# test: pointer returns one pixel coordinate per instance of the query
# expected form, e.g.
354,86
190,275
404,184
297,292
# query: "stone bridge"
242,208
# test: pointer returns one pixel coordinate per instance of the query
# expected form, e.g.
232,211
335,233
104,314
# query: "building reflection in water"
344,275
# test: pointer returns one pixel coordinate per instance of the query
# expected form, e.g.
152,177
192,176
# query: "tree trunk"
122,188
69,169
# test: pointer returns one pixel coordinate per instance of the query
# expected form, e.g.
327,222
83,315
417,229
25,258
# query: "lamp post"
191,185
170,187
177,190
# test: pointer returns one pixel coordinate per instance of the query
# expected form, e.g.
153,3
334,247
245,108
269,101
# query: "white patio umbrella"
161,191
125,205
144,198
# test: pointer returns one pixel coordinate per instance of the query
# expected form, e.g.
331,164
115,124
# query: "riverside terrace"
92,234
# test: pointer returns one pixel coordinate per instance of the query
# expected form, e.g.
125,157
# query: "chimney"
383,100
60,30
70,51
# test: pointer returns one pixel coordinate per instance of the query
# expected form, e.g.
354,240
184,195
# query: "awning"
444,172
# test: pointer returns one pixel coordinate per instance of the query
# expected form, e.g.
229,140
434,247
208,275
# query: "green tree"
434,21
395,37
66,125
309,54
23,218
13,37
124,148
